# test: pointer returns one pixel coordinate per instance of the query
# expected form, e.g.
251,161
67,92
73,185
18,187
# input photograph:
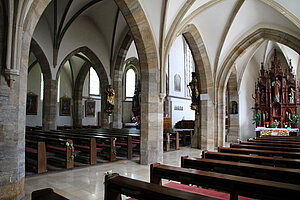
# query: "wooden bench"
124,138
235,185
61,147
271,144
261,160
279,174
115,185
276,141
102,142
283,154
46,194
35,154
170,136
262,147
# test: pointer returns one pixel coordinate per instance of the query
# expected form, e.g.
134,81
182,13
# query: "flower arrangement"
285,124
267,124
275,123
295,119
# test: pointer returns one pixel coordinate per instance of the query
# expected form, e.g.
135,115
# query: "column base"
12,191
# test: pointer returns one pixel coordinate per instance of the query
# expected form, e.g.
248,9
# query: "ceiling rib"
79,12
235,11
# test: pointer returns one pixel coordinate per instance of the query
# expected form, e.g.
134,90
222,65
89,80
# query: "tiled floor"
87,183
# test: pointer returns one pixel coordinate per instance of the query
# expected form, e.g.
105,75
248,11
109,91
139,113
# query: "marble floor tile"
87,183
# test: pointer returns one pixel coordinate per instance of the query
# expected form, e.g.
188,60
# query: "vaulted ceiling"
221,24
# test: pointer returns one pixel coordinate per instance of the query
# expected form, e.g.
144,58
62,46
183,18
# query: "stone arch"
232,107
239,49
92,61
130,63
49,106
117,79
151,105
202,137
3,32
23,21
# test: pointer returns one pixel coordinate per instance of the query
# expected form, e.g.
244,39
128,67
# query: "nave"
259,168
87,183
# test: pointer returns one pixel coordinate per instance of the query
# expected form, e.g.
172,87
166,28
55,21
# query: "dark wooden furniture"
271,173
283,154
262,147
115,185
46,194
36,156
261,160
235,185
276,93
271,144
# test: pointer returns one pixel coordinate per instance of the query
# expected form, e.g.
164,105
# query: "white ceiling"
211,17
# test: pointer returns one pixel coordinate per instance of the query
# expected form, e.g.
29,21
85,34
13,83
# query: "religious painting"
31,104
90,106
65,106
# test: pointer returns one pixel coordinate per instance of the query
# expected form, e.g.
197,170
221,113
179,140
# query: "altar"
263,131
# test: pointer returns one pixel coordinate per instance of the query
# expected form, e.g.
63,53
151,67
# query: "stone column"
117,115
233,116
12,136
77,114
151,119
50,105
203,137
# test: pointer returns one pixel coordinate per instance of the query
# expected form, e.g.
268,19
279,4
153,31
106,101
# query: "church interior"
139,99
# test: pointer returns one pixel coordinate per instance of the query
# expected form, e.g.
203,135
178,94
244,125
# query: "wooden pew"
102,142
275,141
295,139
261,160
271,144
46,194
171,136
279,174
61,147
37,151
283,154
124,139
235,185
115,185
261,147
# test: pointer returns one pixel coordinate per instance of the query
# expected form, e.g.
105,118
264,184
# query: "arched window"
94,83
130,80
177,83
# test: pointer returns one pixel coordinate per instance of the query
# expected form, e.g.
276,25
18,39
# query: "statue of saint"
194,91
276,84
136,100
292,96
110,99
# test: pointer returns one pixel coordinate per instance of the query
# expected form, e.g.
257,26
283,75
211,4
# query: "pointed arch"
151,105
202,137
92,61
225,70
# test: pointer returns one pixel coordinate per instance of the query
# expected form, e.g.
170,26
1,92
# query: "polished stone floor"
87,183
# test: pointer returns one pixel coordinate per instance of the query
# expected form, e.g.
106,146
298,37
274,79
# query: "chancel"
121,86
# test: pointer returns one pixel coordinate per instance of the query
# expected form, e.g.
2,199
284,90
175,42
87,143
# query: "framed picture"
90,108
31,104
65,106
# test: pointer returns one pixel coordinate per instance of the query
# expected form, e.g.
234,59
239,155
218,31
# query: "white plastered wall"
179,99
34,85
247,87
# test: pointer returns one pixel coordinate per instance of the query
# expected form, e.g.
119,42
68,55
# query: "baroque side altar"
277,95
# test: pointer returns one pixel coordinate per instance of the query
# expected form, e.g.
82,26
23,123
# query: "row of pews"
261,168
73,147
